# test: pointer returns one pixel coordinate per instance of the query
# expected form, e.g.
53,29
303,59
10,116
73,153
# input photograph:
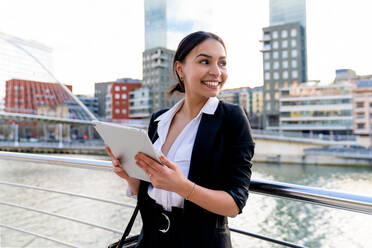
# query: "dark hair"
184,48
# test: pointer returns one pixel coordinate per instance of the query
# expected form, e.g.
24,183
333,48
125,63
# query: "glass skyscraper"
168,21
287,11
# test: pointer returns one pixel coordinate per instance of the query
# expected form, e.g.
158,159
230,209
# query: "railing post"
15,133
60,145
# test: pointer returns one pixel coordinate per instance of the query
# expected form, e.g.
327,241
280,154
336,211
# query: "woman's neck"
192,106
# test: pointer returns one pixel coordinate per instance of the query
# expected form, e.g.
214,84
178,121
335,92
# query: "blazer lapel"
206,134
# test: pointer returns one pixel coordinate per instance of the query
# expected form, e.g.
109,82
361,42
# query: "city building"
344,75
315,108
168,21
284,54
158,77
113,98
140,103
19,60
251,101
362,106
90,102
257,100
24,96
287,11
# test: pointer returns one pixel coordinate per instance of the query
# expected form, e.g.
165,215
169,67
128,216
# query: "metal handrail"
270,239
60,216
329,198
67,193
333,199
39,236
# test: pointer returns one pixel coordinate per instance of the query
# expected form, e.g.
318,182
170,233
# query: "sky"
103,40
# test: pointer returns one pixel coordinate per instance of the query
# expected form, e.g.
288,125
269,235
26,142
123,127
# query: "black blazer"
220,160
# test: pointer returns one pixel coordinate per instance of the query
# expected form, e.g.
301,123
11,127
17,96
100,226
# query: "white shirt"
180,151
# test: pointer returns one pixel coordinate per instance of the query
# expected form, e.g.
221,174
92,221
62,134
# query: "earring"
181,79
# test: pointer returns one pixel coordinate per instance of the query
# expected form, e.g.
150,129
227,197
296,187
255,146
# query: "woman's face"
204,69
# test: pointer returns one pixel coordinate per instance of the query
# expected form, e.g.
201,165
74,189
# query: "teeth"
211,83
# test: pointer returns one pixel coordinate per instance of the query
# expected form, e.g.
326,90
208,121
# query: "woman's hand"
118,169
169,177
165,176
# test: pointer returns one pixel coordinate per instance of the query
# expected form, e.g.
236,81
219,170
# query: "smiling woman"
206,148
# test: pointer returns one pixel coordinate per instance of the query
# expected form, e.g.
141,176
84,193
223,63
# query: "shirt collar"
209,108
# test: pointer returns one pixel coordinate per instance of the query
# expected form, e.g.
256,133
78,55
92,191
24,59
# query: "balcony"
266,38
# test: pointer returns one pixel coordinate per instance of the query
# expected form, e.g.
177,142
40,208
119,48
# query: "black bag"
125,242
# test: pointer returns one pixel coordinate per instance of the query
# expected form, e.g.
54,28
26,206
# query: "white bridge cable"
15,44
61,216
67,193
39,236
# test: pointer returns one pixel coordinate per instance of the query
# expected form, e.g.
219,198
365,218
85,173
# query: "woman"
206,148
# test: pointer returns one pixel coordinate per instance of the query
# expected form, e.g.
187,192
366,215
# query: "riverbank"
311,160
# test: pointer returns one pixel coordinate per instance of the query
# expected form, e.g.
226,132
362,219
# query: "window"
123,87
284,44
123,111
117,111
268,106
275,35
266,56
275,55
267,96
293,32
117,88
360,115
360,126
276,95
294,63
276,75
275,45
276,85
285,64
294,74
117,96
267,66
276,65
267,75
284,54
294,53
293,43
284,34
360,104
124,96
370,104
285,74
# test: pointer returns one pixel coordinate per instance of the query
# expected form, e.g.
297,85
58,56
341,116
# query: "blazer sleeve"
240,150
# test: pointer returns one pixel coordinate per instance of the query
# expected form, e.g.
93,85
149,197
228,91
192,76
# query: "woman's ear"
179,69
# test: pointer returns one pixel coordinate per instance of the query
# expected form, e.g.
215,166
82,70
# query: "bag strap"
128,228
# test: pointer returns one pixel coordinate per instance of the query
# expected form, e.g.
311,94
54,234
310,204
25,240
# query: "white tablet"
125,142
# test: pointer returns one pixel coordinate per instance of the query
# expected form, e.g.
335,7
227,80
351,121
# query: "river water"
305,224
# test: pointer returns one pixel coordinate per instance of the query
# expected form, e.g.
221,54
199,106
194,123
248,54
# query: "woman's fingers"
167,163
149,161
144,166
108,150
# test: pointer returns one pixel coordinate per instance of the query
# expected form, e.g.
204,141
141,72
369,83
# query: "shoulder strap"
128,228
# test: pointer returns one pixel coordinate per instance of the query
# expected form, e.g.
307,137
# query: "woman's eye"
205,62
222,63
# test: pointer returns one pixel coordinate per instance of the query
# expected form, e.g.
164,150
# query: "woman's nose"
215,70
